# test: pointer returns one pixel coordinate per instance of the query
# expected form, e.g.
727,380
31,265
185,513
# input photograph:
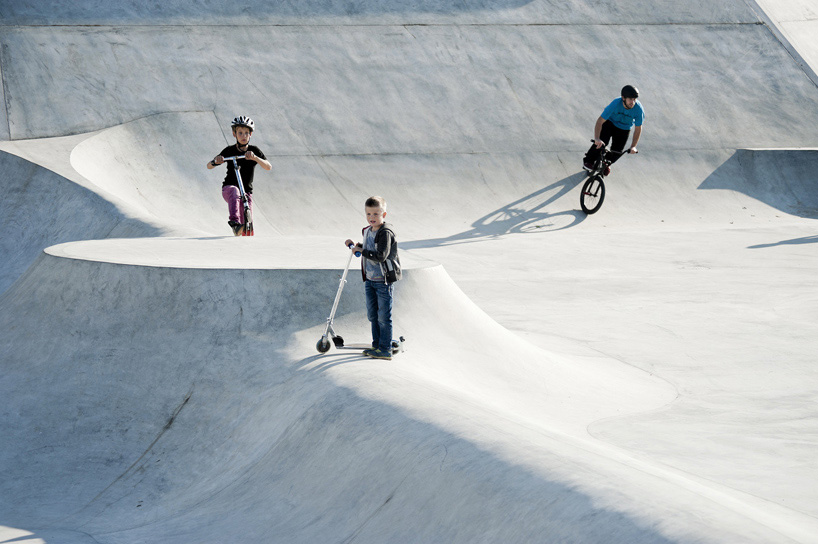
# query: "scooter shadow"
330,359
527,215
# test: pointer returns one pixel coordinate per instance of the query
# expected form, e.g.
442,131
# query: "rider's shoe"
587,166
238,228
378,354
607,171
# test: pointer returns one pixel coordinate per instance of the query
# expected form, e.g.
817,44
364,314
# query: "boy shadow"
527,215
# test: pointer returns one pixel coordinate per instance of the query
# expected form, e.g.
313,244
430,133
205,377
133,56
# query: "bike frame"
593,190
603,160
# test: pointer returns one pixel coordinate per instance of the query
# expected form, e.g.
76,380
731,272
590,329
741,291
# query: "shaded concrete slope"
187,405
255,12
781,178
181,418
40,208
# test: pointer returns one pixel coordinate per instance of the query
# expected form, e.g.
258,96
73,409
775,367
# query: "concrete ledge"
222,252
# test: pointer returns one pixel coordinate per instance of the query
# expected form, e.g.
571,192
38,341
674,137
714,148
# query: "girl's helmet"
243,121
629,91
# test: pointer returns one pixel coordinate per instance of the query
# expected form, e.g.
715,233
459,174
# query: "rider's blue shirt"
624,118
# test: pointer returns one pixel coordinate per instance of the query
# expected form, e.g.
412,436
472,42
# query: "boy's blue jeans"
379,313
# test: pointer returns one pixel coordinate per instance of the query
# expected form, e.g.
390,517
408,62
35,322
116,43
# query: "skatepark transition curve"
642,375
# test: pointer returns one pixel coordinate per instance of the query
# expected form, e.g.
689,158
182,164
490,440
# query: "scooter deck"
397,345
355,346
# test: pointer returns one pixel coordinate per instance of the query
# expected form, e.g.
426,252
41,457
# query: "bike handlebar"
605,147
233,158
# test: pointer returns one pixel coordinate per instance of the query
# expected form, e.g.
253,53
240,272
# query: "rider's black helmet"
629,91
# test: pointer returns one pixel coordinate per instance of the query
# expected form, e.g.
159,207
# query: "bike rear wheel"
248,221
593,193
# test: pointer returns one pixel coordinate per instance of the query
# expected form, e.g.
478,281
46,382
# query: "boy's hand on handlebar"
355,248
218,160
250,156
598,143
633,151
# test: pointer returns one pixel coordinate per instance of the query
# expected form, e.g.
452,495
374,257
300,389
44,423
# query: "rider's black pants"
609,131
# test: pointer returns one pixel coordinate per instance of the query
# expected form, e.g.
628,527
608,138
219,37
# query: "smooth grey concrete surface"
646,374
795,22
258,12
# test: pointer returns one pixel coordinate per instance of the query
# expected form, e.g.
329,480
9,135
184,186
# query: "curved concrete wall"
156,401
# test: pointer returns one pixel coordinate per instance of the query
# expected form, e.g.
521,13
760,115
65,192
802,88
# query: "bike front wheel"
593,193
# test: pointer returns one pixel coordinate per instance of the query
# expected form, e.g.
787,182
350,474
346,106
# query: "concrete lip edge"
223,252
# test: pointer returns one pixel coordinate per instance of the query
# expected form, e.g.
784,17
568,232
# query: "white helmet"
243,121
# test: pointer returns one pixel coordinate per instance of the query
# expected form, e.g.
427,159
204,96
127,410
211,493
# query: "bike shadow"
527,215
794,241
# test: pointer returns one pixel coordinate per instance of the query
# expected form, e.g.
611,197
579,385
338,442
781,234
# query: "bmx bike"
247,228
593,190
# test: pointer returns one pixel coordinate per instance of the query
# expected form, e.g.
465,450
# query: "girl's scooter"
248,216
323,344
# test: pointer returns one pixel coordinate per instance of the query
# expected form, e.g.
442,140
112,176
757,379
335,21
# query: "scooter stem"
341,283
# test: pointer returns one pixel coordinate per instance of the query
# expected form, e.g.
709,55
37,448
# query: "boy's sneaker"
587,166
378,354
238,228
607,171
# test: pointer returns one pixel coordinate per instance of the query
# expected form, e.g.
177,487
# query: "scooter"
323,344
248,216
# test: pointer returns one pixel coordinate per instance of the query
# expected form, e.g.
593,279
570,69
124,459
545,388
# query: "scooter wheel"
323,345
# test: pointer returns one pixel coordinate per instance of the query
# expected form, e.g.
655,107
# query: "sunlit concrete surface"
642,375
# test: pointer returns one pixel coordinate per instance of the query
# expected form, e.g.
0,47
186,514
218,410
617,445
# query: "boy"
380,268
243,128
617,120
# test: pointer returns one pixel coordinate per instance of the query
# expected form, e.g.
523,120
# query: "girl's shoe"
238,228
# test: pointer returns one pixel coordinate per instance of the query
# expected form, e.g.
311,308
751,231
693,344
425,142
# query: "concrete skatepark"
642,375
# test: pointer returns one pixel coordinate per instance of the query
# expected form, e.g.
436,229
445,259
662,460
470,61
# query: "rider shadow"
526,215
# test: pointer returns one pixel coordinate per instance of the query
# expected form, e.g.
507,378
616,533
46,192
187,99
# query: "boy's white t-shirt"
371,268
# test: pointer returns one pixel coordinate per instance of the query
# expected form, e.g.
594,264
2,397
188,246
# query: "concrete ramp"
782,178
42,207
187,403
645,374
173,395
